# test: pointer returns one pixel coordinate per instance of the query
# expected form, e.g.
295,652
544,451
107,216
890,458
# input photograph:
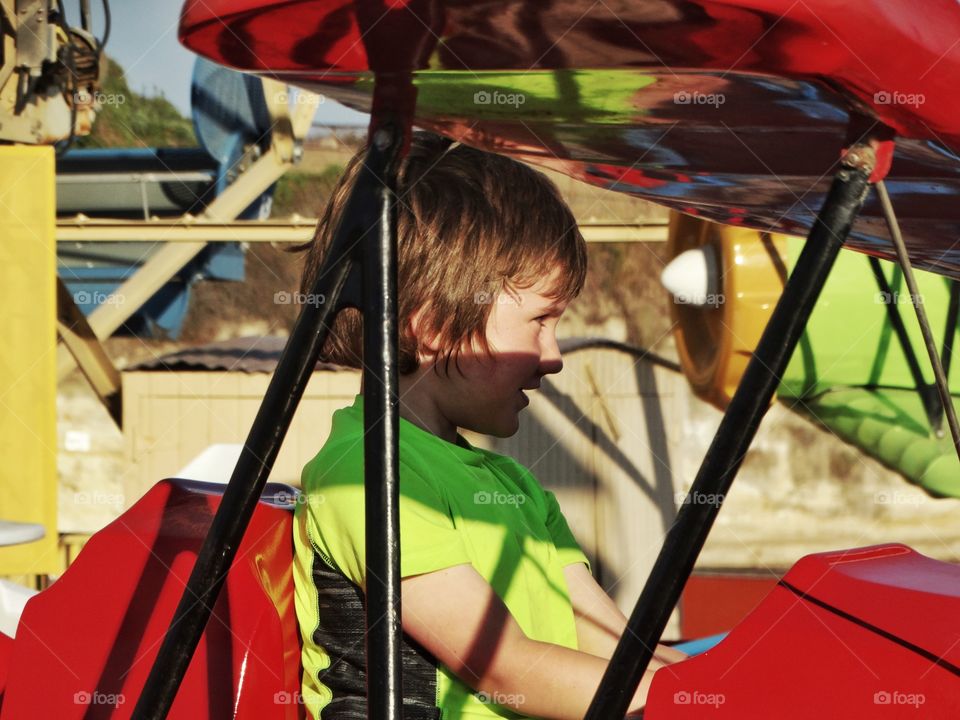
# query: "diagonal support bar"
904,260
689,532
87,351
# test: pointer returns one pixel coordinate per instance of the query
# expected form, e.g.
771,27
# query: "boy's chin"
501,428
509,427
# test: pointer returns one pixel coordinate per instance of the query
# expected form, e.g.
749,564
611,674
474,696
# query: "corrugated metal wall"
171,417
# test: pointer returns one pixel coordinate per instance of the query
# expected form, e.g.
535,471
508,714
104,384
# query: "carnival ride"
731,111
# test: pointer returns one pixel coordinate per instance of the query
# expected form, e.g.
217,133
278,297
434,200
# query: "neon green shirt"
458,505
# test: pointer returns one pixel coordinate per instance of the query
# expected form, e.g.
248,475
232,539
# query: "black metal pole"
381,449
686,537
950,331
928,393
359,219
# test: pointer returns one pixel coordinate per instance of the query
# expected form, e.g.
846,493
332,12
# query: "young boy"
501,615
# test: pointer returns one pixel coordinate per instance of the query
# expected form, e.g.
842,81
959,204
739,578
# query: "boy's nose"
550,360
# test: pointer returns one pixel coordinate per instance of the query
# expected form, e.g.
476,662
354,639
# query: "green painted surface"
849,339
595,96
851,374
890,425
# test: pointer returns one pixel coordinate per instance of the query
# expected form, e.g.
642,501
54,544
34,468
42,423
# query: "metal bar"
686,537
85,15
131,295
381,450
87,351
167,261
296,230
904,260
950,331
928,393
260,450
134,177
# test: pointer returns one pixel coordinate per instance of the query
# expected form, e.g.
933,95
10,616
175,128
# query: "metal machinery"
49,85
49,72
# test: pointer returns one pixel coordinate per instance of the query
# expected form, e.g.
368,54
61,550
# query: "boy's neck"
417,406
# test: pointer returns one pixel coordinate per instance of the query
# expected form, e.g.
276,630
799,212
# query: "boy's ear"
428,345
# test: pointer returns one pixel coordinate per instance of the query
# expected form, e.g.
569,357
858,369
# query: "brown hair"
470,225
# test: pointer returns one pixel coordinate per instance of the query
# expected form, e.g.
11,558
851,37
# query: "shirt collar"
461,449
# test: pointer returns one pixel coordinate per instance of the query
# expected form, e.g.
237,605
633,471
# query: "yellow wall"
28,436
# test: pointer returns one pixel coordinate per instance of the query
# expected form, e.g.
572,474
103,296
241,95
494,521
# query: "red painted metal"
6,648
868,633
85,645
700,105
852,44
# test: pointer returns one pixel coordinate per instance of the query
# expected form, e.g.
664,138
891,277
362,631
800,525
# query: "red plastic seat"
85,645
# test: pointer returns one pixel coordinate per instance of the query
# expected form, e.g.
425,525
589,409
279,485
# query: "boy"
501,616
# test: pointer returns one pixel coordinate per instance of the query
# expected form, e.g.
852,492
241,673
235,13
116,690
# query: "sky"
143,39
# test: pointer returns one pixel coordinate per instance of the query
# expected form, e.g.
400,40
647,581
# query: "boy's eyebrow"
558,305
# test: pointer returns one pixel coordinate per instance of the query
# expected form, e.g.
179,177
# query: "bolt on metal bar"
689,532
904,259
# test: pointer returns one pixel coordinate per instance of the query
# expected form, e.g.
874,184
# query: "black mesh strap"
340,633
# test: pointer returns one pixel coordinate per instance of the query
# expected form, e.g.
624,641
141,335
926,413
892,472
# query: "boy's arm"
599,621
457,616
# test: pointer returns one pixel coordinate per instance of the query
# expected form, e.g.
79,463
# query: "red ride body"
86,644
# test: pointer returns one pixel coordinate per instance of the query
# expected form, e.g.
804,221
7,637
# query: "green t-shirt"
458,505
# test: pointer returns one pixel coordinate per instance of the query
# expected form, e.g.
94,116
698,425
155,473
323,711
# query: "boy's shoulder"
436,462
342,454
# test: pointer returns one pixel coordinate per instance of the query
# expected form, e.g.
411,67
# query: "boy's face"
488,392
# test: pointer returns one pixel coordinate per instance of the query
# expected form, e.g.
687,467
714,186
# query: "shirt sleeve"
568,550
429,540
